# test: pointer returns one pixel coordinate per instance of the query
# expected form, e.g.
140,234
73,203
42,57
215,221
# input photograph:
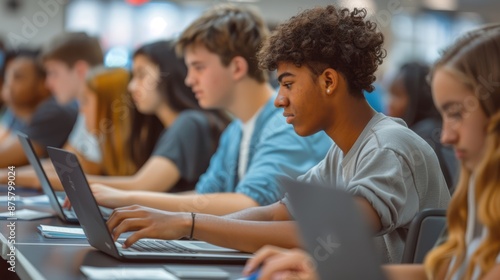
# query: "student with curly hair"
467,94
325,58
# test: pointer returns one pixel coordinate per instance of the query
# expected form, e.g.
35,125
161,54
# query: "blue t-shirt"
275,151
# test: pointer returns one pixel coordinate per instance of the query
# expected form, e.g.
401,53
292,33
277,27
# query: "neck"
349,121
166,115
24,113
249,97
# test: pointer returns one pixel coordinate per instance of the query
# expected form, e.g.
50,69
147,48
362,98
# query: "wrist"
127,198
187,222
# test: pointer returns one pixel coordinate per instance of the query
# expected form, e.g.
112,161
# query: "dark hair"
327,37
72,47
146,129
30,54
421,106
228,31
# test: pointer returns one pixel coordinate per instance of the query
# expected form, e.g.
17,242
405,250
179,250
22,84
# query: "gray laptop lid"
75,184
79,193
334,232
44,181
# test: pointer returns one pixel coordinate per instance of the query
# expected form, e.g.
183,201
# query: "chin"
303,132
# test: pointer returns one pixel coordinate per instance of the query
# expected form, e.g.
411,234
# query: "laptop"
334,232
56,199
77,188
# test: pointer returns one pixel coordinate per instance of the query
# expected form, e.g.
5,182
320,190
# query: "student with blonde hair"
105,103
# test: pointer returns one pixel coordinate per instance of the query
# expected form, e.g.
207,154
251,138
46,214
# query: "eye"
287,85
199,67
454,113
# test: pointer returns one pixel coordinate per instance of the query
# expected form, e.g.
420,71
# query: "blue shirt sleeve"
278,155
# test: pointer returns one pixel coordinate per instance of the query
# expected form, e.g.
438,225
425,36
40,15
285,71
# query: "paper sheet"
104,273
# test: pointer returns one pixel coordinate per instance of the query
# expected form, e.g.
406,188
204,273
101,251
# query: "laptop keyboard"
160,246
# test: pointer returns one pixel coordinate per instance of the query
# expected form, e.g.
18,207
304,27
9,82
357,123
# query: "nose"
132,85
449,134
189,79
281,101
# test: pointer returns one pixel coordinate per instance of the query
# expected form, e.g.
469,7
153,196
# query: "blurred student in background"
67,60
33,111
410,98
106,109
172,139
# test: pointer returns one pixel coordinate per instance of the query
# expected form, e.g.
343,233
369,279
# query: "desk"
41,258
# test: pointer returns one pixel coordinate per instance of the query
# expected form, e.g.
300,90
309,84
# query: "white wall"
33,24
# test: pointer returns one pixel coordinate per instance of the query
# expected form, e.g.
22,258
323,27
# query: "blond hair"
474,60
113,118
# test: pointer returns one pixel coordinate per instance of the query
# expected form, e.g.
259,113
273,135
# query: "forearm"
158,175
10,157
216,204
405,272
273,212
118,182
247,236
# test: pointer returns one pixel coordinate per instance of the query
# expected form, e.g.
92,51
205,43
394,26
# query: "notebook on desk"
78,190
334,232
56,199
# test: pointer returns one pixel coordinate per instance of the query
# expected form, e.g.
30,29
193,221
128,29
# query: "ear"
239,67
330,80
81,69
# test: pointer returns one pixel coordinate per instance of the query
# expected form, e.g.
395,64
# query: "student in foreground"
258,147
467,95
393,172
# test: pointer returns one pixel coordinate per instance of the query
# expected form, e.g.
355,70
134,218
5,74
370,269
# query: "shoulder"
392,133
192,116
50,108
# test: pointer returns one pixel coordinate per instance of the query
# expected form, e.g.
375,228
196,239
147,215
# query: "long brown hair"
474,60
113,118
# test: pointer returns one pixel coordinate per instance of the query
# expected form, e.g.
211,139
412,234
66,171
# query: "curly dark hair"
328,37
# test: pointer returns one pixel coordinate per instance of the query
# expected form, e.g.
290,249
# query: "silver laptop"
76,186
334,232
